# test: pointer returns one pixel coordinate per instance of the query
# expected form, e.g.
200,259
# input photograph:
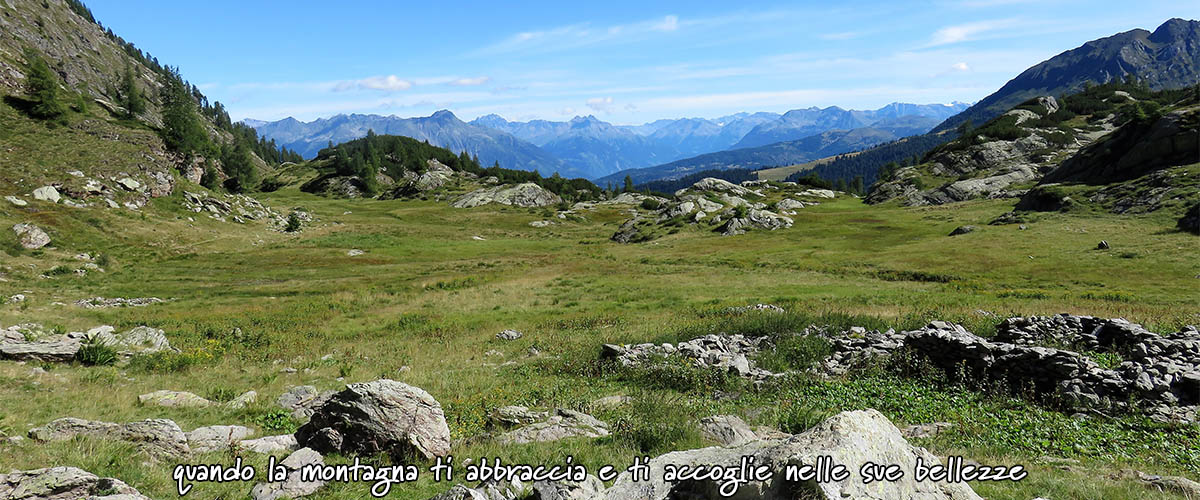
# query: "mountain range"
586,146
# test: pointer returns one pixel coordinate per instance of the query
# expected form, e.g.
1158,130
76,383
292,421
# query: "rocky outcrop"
64,483
30,236
232,207
103,303
521,195
850,439
723,352
714,185
755,219
383,416
1190,221
158,438
562,424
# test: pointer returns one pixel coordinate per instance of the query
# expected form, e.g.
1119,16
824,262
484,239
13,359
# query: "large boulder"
521,195
64,483
714,185
30,236
380,416
157,437
850,438
303,400
47,193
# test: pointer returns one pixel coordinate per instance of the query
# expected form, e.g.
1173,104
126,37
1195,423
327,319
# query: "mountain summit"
1165,59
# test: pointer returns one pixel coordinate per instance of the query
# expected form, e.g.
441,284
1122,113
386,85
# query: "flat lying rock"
174,399
47,193
271,444
292,487
729,430
508,416
157,437
383,416
561,425
64,483
217,437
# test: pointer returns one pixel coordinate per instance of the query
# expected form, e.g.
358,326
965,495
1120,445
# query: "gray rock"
962,230
129,184
729,430
64,483
710,184
16,201
31,236
157,437
849,438
521,195
508,335
509,416
925,430
561,425
217,437
381,416
47,193
293,486
303,400
271,444
174,399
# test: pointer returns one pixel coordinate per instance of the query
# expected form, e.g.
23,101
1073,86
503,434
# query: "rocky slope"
1167,58
1121,148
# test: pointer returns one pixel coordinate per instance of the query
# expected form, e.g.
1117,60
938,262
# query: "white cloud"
466,82
960,66
967,32
601,104
390,83
669,23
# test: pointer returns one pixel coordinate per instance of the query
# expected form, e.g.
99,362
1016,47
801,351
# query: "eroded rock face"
849,438
30,236
157,437
381,416
64,483
521,195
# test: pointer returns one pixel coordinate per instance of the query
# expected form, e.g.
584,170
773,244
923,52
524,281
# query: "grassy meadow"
436,284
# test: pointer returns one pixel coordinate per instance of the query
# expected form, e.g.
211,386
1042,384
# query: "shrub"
293,223
651,204
796,418
221,394
95,352
656,425
277,420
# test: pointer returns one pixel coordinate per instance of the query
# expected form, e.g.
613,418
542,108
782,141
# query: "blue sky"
623,61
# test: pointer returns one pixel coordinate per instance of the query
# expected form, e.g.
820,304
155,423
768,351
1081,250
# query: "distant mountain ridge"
442,129
586,146
1165,59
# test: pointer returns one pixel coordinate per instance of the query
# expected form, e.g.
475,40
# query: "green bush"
651,204
95,352
796,418
277,420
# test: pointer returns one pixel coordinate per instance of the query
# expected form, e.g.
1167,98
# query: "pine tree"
628,184
182,130
239,166
43,88
130,97
856,185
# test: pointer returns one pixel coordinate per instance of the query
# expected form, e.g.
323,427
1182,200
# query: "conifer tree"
130,97
43,88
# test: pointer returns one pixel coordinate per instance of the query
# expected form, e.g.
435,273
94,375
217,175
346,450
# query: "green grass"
246,302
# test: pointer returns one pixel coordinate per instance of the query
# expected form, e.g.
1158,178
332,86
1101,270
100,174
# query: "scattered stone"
381,416
729,430
1103,245
16,201
293,486
541,223
962,230
562,424
129,184
47,193
757,307
64,483
271,444
30,236
355,252
925,430
157,437
103,303
722,352
509,335
217,437
510,416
